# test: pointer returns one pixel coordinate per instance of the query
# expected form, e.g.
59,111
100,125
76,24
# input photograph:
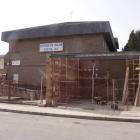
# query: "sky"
123,15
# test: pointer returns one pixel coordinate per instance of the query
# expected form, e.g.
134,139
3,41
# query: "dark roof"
63,29
100,55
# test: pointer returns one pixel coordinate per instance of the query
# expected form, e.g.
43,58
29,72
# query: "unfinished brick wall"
49,83
62,80
100,89
100,81
85,80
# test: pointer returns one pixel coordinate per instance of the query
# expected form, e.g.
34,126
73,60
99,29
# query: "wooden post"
137,99
66,75
133,70
93,84
9,90
139,85
92,90
53,78
107,85
78,82
125,86
41,94
59,78
113,93
126,63
49,81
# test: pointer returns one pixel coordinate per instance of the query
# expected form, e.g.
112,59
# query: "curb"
74,116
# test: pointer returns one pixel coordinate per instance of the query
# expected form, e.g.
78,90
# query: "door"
15,78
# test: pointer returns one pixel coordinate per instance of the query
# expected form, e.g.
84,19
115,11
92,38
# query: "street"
15,126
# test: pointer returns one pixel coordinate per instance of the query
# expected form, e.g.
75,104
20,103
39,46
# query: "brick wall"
85,80
116,70
59,88
33,63
49,81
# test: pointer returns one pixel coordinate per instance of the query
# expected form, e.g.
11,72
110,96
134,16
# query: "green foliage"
133,42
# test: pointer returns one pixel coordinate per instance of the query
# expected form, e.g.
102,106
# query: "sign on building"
47,47
16,62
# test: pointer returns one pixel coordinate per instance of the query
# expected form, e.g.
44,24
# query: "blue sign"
51,47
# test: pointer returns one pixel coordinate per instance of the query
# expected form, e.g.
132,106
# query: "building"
26,61
77,60
1,63
3,72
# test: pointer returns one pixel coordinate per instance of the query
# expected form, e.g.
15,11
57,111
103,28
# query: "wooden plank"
66,76
134,60
92,90
137,99
136,64
93,84
67,81
66,68
107,85
139,67
78,81
59,78
133,69
139,85
127,63
130,79
126,95
125,85
53,84
133,92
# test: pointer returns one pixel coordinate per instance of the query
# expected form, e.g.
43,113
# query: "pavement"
62,111
15,126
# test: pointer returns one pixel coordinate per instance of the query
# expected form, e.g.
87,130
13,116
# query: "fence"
26,92
102,91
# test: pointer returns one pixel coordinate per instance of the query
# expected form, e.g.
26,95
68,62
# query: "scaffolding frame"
63,77
57,75
132,82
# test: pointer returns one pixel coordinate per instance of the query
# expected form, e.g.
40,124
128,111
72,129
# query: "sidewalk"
108,115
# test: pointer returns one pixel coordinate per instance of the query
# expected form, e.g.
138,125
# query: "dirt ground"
86,104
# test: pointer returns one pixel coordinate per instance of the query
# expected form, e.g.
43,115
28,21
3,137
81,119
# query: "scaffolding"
65,77
69,81
131,90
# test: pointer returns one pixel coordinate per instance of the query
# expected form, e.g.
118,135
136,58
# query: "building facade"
28,63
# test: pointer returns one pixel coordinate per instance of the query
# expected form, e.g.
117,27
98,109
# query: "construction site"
70,65
86,81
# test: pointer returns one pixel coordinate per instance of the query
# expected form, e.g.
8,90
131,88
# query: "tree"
133,42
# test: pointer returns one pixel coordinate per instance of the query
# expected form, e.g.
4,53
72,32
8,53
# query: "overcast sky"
123,15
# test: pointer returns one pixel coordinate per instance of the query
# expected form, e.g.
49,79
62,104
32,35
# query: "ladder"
131,81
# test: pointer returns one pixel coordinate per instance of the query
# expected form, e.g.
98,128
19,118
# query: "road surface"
15,126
